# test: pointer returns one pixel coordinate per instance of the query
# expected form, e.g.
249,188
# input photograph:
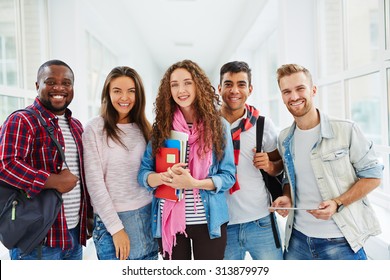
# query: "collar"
237,122
47,114
325,126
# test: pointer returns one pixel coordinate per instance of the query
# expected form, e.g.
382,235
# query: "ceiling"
205,31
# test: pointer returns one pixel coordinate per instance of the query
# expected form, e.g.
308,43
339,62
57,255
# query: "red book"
165,158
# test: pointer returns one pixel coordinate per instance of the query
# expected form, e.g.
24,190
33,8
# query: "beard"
47,104
301,112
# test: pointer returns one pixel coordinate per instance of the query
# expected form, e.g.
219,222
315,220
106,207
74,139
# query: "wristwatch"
340,205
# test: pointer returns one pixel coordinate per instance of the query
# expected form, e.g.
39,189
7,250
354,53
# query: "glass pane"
332,99
362,22
274,112
387,23
330,37
11,73
272,64
7,42
9,104
34,18
100,61
388,100
10,48
365,99
1,74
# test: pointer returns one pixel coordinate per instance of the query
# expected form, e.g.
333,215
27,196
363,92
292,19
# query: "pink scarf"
173,218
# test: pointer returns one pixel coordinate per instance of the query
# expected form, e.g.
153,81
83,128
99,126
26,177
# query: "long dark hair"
136,114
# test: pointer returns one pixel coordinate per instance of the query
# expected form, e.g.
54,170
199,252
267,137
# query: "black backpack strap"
50,131
259,143
259,133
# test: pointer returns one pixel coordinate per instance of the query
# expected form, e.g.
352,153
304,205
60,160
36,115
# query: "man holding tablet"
330,167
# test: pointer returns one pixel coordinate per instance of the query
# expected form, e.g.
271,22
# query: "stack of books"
174,151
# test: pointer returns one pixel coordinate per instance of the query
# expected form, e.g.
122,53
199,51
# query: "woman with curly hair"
187,102
114,144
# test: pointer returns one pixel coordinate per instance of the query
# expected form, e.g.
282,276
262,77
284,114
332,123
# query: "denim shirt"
340,157
221,172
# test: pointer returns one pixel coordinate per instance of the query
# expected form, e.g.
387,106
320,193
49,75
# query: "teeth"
123,104
58,97
297,103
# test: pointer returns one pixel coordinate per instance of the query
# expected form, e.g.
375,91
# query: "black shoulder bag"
25,221
273,184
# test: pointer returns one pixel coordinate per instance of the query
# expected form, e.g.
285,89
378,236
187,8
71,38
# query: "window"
353,68
8,50
364,93
100,62
362,32
22,23
330,37
333,99
264,79
387,23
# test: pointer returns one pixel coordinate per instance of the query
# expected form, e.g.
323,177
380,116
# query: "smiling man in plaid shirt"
29,161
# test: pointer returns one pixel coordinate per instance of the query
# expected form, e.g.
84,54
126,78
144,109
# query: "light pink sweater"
111,172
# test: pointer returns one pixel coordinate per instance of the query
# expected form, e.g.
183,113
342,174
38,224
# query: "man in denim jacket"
330,168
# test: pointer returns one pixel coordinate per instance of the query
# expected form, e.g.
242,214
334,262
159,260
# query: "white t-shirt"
72,198
251,202
307,192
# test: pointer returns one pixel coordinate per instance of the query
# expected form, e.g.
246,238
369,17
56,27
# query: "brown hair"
205,105
289,69
136,114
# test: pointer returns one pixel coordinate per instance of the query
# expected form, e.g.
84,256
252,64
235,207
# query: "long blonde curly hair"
205,106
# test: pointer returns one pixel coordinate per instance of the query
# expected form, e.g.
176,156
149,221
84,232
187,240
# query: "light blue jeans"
49,253
137,225
302,247
254,237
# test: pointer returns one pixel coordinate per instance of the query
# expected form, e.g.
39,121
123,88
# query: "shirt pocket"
337,162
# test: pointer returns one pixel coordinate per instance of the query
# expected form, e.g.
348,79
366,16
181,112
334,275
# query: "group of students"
329,166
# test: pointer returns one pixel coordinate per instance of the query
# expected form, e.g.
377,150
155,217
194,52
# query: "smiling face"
183,88
55,88
122,96
234,90
297,94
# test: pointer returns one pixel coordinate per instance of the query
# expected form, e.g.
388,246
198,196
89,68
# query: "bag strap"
259,143
50,131
259,133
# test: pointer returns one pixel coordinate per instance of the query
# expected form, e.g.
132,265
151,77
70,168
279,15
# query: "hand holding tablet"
291,208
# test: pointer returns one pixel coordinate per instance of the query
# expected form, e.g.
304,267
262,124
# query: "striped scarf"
245,124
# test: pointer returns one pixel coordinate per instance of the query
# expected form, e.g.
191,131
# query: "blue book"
172,143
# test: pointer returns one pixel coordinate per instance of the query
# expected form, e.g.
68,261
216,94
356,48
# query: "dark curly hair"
205,106
136,114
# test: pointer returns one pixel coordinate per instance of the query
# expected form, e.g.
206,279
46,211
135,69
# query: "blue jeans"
138,226
50,253
254,237
302,247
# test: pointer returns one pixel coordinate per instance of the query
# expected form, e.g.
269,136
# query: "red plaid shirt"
28,156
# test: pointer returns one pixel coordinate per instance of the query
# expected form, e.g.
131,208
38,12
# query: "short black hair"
236,67
53,62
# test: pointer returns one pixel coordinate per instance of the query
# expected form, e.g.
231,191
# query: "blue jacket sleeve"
223,172
147,167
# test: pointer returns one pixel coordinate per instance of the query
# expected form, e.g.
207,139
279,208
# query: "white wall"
68,43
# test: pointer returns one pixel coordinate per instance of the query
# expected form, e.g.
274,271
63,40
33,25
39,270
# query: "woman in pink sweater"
114,143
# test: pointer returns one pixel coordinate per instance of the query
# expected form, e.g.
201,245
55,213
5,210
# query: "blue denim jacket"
221,172
341,156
